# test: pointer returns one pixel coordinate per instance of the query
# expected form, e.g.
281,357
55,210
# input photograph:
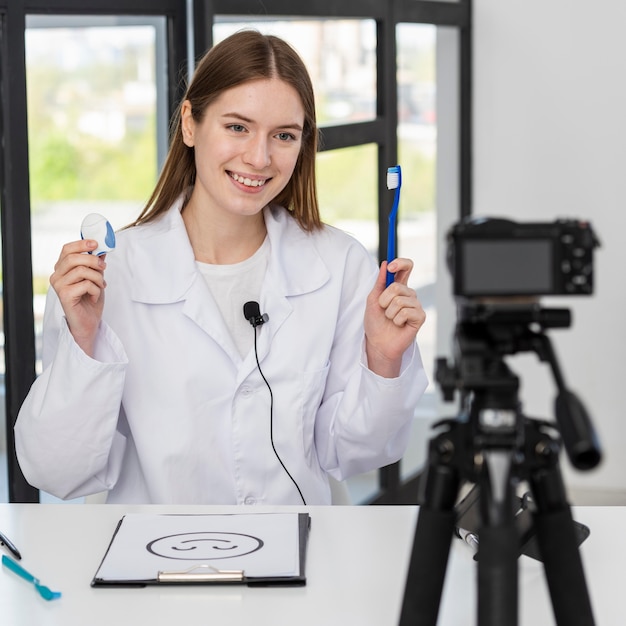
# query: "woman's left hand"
393,315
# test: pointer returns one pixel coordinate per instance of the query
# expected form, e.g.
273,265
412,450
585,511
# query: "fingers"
403,309
76,273
74,292
78,281
399,301
393,316
381,282
75,247
402,306
401,269
73,254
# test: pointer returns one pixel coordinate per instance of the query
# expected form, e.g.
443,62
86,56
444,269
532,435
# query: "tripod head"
484,335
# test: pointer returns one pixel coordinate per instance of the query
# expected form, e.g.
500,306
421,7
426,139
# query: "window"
417,225
67,60
93,94
100,86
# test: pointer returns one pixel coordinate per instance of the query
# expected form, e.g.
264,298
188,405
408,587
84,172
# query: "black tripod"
494,446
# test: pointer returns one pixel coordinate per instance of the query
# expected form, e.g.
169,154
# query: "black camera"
495,257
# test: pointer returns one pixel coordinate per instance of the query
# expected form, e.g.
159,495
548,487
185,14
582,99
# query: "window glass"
339,54
417,154
417,222
347,191
95,98
92,127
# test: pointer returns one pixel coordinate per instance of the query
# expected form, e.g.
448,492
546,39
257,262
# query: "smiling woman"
189,399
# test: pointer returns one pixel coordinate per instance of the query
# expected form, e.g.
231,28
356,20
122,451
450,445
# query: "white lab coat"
167,411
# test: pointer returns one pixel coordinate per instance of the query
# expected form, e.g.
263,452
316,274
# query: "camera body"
495,257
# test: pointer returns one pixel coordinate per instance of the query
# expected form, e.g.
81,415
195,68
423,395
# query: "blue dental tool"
394,181
96,226
44,592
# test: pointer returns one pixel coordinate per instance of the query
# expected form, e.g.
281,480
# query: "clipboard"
250,549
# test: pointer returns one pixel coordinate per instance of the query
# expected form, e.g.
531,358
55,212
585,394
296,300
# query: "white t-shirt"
234,285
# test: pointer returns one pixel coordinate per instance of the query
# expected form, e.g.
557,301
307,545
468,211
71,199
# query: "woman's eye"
285,136
238,128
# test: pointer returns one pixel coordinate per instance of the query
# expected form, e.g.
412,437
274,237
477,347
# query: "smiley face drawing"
204,546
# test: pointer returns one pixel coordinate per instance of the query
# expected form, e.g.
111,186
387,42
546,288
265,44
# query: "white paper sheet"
262,545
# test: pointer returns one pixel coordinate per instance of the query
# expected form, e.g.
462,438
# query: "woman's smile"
249,181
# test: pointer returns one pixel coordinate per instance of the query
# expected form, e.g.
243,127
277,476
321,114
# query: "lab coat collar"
165,270
294,250
161,259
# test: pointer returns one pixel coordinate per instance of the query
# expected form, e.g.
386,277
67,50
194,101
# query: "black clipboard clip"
201,574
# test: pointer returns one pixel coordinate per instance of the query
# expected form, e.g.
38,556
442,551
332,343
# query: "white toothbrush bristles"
393,180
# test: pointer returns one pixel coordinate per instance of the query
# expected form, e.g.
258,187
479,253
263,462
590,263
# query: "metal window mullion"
387,111
465,112
287,8
18,316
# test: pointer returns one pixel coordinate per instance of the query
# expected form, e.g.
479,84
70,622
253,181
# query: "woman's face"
246,146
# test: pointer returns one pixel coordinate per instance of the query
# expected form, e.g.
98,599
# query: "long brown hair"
247,55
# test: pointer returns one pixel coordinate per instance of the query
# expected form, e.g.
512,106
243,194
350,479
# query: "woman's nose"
258,153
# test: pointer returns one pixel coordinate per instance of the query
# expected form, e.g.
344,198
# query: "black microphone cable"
252,313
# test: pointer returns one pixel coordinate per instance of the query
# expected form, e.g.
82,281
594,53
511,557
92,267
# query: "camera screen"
507,267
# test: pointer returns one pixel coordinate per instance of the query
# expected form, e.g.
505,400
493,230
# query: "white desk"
356,569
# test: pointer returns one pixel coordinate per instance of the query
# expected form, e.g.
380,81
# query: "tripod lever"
579,436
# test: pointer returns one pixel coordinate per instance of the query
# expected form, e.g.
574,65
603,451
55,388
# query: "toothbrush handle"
17,569
391,255
391,236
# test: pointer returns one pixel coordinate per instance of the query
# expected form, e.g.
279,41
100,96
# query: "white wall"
550,141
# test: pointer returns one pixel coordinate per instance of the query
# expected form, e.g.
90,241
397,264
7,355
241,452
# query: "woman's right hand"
78,281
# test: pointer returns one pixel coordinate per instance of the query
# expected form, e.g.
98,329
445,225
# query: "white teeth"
248,182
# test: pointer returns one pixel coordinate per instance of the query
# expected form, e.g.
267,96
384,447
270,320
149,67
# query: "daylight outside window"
417,226
97,129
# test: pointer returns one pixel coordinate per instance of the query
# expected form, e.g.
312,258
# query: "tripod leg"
558,545
498,544
497,576
431,546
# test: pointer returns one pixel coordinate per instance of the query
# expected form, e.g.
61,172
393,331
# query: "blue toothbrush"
394,181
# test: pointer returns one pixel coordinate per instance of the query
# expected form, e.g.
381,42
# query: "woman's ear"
187,124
